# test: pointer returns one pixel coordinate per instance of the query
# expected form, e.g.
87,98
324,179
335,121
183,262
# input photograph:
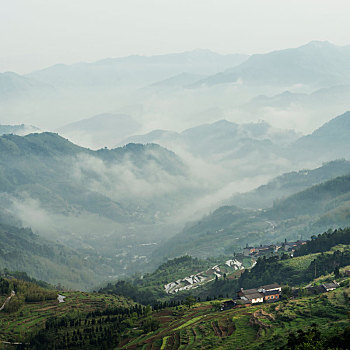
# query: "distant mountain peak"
319,44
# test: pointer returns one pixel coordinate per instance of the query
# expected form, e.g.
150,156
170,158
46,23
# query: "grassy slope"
20,250
263,326
229,228
258,327
32,316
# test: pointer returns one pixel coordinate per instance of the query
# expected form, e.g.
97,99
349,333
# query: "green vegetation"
283,270
324,242
20,249
290,183
89,320
105,321
229,228
77,197
266,326
149,288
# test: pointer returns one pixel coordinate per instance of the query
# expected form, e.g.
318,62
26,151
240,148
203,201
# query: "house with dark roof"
269,287
271,295
243,292
330,286
315,290
227,305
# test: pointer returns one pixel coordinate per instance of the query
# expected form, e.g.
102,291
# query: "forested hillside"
79,197
287,184
229,228
22,250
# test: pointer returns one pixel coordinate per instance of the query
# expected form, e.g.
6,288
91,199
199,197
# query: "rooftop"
254,296
330,285
271,286
272,292
249,291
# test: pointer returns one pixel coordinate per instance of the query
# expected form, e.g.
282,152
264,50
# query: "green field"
31,317
300,262
83,321
256,327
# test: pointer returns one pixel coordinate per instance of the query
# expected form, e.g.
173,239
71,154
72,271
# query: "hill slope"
21,250
136,71
100,130
316,64
229,228
288,184
327,142
130,195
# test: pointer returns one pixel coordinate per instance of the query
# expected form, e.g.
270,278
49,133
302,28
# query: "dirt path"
7,300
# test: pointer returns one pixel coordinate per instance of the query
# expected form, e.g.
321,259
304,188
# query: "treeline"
312,338
20,275
324,242
24,292
100,329
129,290
273,270
149,288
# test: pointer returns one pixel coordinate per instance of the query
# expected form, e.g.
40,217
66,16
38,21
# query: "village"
262,250
231,265
271,293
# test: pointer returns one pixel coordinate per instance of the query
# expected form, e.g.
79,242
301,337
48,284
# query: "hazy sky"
38,33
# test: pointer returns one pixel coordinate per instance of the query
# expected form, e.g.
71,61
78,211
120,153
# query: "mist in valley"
119,156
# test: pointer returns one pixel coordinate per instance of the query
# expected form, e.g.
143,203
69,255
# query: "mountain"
316,64
288,184
20,130
327,142
304,111
229,228
100,130
114,86
135,70
178,81
118,204
325,199
222,139
155,136
231,151
22,250
48,166
13,86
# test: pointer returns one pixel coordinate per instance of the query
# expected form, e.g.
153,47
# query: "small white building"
270,287
254,298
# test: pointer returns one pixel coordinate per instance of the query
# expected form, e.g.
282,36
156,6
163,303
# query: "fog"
37,33
212,125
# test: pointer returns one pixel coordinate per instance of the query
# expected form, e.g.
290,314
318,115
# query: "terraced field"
263,326
82,322
32,316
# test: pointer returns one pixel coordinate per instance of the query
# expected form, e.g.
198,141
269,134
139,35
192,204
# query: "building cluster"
264,294
262,250
322,288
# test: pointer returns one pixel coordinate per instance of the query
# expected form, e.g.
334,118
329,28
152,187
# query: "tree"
190,301
150,324
216,305
336,272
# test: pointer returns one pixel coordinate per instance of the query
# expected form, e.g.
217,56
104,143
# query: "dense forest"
324,242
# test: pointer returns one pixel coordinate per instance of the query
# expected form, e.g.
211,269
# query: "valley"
158,195
36,319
